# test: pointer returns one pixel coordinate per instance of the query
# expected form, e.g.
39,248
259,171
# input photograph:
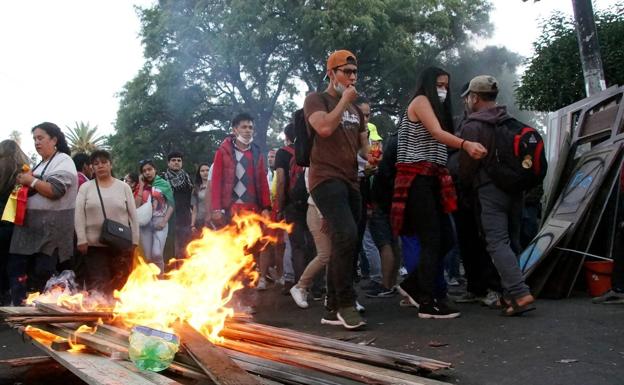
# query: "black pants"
617,277
106,269
29,272
341,207
481,274
424,217
301,241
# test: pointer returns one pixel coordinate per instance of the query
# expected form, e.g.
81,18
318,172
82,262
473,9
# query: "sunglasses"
347,71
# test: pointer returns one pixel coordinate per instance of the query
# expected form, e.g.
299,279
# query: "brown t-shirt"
334,157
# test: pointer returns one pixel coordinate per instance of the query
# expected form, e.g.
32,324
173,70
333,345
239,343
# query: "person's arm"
46,189
166,218
325,123
138,200
80,221
280,188
132,214
420,110
264,197
364,145
194,203
467,165
207,199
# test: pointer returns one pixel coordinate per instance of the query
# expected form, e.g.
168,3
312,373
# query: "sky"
65,61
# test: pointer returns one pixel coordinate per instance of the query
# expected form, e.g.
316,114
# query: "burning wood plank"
214,362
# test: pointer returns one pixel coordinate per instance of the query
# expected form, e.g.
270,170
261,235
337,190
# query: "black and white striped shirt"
417,145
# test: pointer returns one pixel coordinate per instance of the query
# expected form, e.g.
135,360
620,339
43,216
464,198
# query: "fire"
75,346
40,335
63,296
199,290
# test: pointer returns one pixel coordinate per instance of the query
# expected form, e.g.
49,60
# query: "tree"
83,138
16,136
254,56
554,76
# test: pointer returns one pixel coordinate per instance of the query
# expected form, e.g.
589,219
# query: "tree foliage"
207,60
554,75
83,137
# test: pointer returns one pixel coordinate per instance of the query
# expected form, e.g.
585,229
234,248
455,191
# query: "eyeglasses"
347,71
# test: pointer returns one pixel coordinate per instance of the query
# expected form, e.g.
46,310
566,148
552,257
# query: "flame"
201,287
75,346
40,335
63,297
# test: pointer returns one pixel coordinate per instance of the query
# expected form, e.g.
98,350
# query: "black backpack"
304,136
517,160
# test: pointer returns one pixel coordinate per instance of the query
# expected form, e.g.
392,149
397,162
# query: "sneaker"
262,284
403,271
330,318
317,295
350,318
453,282
407,296
273,276
359,307
381,292
492,299
300,296
467,297
437,310
609,298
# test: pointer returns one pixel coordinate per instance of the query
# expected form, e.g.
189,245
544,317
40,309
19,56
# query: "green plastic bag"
152,349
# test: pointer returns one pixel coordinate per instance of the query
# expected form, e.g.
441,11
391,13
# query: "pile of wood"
250,353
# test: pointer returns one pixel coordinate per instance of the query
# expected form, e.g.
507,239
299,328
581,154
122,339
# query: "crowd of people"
401,211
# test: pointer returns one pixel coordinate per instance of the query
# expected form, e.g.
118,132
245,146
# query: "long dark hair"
198,179
427,87
55,132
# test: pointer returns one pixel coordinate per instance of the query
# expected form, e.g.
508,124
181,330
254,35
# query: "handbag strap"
97,186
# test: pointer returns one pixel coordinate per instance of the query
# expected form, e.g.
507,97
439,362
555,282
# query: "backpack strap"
97,186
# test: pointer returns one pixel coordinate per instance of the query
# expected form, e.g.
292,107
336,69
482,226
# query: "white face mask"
339,88
442,94
244,141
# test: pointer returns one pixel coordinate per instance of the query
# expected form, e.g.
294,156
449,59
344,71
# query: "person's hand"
350,94
266,214
475,150
82,248
324,226
24,178
217,217
160,225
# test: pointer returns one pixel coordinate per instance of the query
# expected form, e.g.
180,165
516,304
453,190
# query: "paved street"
485,349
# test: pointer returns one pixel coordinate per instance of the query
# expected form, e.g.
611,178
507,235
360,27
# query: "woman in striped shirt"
424,193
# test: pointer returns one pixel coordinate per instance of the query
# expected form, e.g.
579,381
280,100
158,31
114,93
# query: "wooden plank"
404,360
364,373
99,370
212,360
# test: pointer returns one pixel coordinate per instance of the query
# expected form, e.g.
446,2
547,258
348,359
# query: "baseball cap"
340,58
482,84
373,133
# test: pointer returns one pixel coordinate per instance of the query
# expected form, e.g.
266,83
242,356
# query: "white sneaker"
403,271
262,284
359,307
300,296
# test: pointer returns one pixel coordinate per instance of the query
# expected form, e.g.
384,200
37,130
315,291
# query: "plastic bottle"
152,349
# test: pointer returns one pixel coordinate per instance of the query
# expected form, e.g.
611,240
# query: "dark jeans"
481,274
6,230
21,279
301,241
424,215
106,269
341,207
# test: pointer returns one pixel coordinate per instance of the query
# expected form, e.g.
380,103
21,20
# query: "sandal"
513,308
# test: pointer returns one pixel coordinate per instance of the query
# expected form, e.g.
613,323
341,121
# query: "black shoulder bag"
114,234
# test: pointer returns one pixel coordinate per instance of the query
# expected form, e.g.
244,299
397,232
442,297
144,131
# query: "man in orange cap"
340,132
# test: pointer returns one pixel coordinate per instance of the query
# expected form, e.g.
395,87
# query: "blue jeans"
341,207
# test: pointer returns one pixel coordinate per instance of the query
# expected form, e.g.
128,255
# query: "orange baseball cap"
340,58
